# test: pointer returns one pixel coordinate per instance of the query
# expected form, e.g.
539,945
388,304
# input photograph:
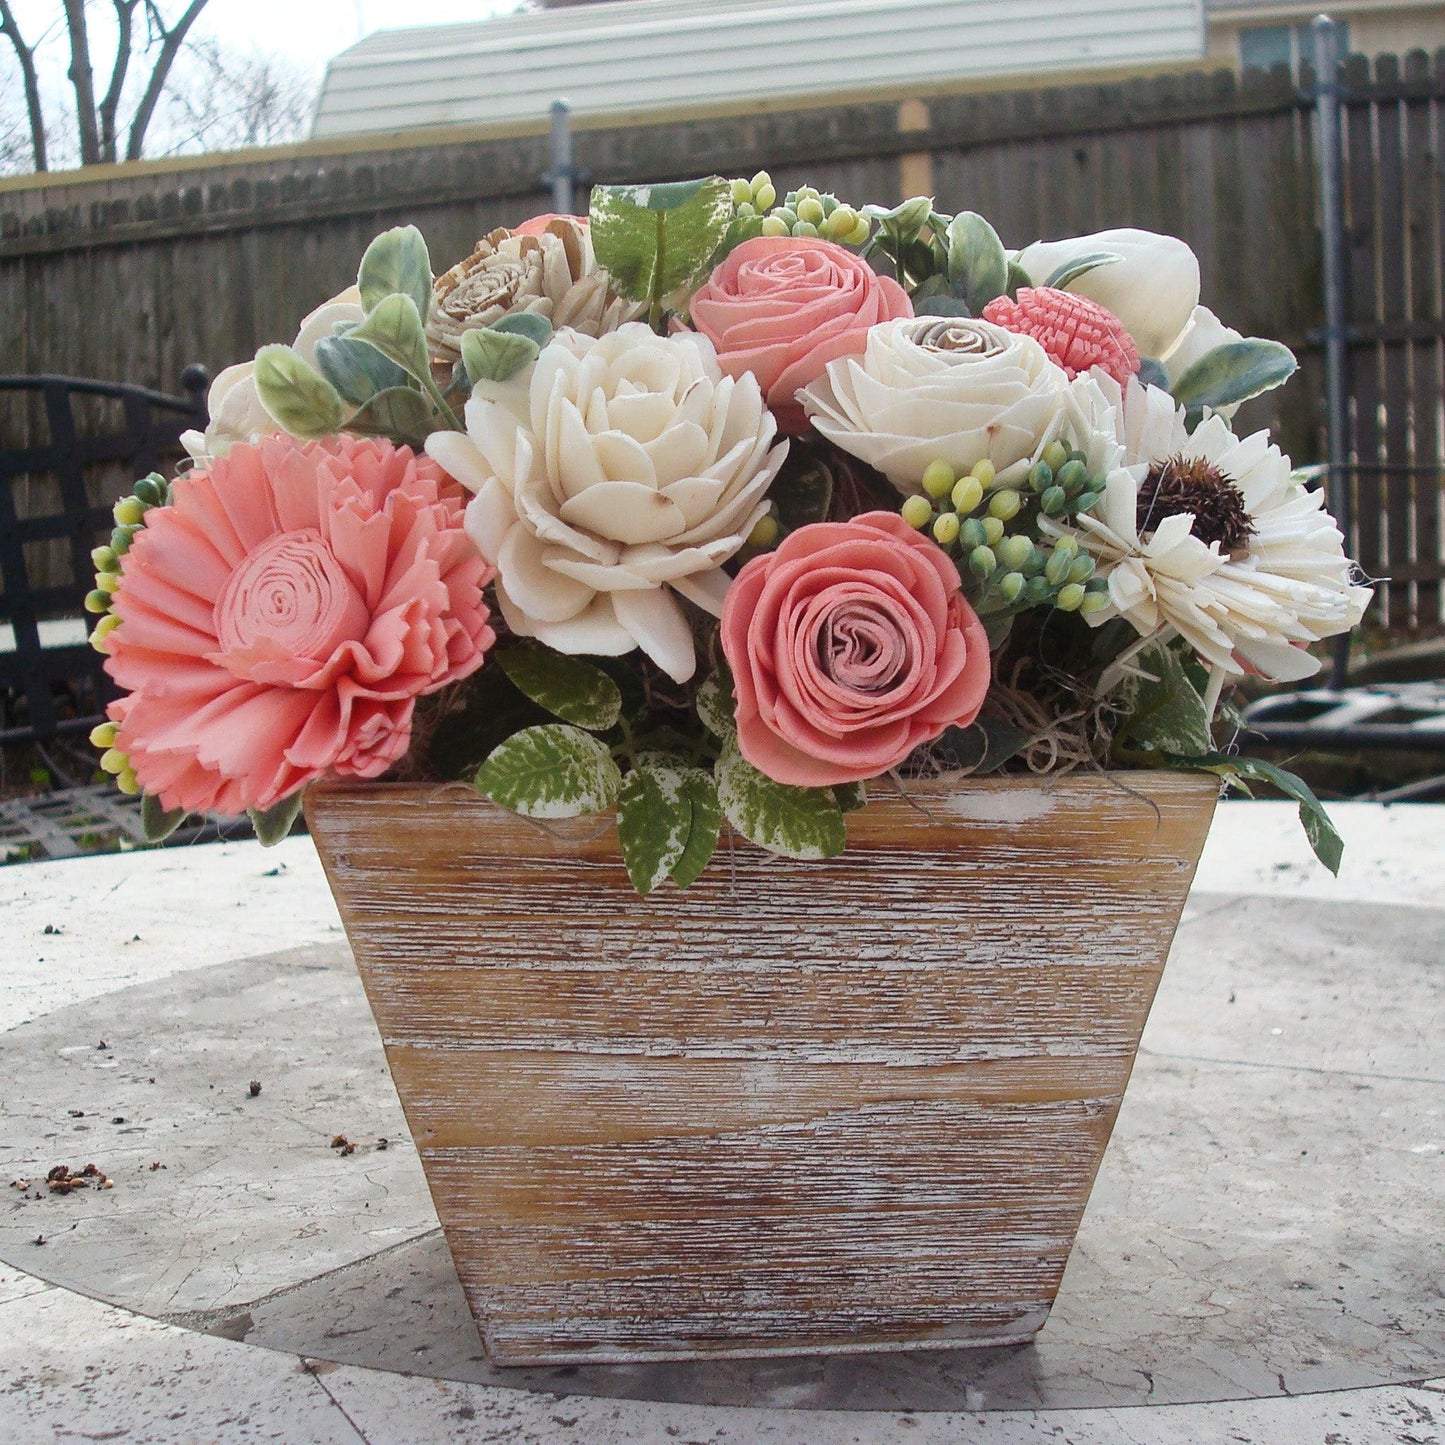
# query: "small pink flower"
281,617
1077,333
783,307
849,646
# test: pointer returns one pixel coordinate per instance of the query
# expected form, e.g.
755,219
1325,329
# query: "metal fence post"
1332,236
561,175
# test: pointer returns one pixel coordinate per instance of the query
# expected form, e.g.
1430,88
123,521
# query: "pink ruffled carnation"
1077,333
280,619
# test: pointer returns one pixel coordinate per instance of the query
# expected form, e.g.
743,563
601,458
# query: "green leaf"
573,690
1235,372
356,370
1071,270
399,414
795,822
1324,840
157,822
531,324
977,261
941,305
490,355
803,489
552,771
1169,713
701,794
655,239
1017,277
654,821
715,706
298,401
850,796
1153,373
394,328
493,710
396,261
274,824
983,747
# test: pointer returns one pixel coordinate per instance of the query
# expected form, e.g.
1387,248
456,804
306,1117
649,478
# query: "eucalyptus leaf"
395,329
941,305
1076,266
573,690
1153,373
794,822
273,824
1017,277
701,794
298,400
1324,840
1234,372
983,747
654,821
356,370
803,489
531,324
490,355
656,239
157,821
399,414
551,771
396,261
977,261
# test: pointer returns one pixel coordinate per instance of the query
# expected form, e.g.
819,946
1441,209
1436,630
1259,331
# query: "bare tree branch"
171,42
109,138
83,82
25,54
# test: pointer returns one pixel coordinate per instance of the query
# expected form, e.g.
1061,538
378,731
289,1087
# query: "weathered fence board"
135,272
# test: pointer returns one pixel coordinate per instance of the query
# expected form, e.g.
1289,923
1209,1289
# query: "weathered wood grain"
801,1107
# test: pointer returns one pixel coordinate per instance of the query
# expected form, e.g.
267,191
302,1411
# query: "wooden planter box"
800,1108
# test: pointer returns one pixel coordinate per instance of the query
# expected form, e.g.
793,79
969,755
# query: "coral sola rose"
850,646
280,618
783,307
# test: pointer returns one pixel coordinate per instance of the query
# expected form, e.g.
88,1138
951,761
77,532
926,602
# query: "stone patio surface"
1262,1260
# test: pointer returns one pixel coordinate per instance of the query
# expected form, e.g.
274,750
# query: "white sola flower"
1212,536
610,475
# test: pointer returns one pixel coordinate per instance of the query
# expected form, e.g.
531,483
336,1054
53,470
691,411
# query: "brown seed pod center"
1191,484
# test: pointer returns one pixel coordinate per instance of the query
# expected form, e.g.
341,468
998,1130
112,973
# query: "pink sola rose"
783,307
279,620
1076,333
849,646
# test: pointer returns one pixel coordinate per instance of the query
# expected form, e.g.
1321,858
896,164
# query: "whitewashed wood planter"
800,1108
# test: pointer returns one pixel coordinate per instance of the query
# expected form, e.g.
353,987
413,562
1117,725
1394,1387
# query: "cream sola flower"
1211,536
957,389
616,472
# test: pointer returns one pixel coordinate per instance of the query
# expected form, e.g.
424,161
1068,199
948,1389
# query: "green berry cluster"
993,530
804,212
112,760
129,514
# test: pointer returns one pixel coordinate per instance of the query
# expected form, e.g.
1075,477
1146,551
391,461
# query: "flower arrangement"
716,505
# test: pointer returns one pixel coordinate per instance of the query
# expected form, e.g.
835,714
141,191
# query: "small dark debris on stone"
39,1239
102,1045
119,1119
62,1181
51,928
339,1142
76,1113
275,872
383,1143
154,1165
254,1087
20,1184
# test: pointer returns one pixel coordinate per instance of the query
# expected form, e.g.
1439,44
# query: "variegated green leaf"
701,794
575,691
654,820
551,771
715,705
654,240
1169,713
795,822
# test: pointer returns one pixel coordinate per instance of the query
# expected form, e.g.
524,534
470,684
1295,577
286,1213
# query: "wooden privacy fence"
135,271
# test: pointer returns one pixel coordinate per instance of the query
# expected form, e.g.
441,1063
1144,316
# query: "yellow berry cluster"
112,760
993,530
804,212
